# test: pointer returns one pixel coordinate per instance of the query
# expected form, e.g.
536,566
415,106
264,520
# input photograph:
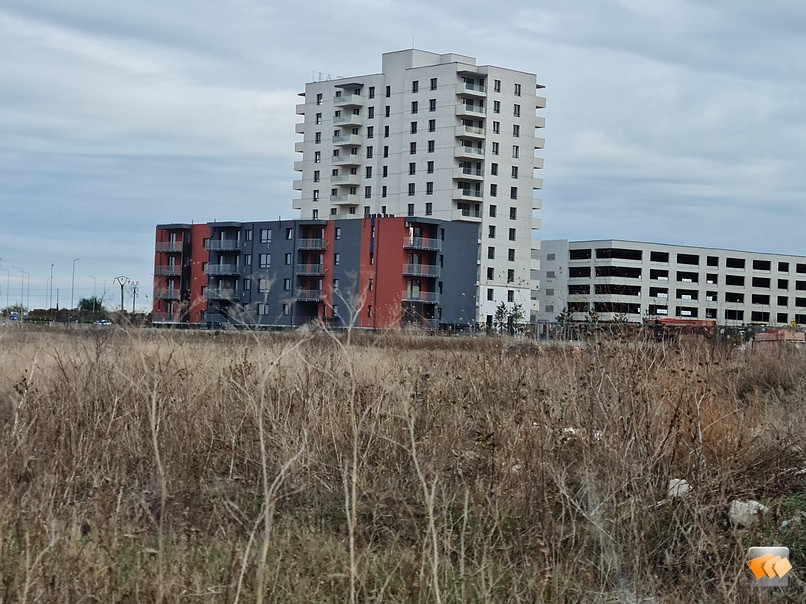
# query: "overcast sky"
666,121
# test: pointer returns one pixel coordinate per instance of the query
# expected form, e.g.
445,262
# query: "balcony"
161,271
309,295
540,102
469,132
421,270
537,183
166,317
473,174
421,243
352,119
471,90
348,100
540,142
420,296
348,159
346,179
347,140
299,165
214,317
299,146
538,163
167,294
223,245
297,185
311,244
300,108
299,128
467,152
466,215
310,269
222,269
170,246
473,111
540,121
213,293
467,194
351,199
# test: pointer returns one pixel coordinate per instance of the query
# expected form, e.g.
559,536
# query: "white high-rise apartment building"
437,136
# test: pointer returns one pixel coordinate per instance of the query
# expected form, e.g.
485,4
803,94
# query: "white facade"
639,280
432,135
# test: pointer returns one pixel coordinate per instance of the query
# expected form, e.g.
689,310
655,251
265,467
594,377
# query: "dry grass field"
140,466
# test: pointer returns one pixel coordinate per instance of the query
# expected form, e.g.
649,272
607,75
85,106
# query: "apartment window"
286,309
431,146
316,194
496,106
316,175
516,110
432,105
334,191
247,285
513,193
383,191
493,190
511,255
514,171
414,127
370,131
265,260
429,208
491,231
288,258
490,293
783,283
371,92
510,295
385,169
517,89
387,110
289,233
263,285
318,118
432,125
247,259
336,258
317,157
496,127
415,86
411,188
512,238
368,171
516,131
367,192
319,99
429,189
366,211
411,207
433,83
388,91
493,211
490,272
317,137
491,253
494,169
370,112
287,284
495,148
430,167
412,167
369,152
513,212
386,131
515,151
412,148
385,152
265,235
497,85
414,106
334,211
783,267
510,275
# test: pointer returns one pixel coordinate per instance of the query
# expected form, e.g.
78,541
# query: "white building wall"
495,143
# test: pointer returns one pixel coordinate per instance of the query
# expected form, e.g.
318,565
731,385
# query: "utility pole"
122,280
94,296
72,291
22,293
135,288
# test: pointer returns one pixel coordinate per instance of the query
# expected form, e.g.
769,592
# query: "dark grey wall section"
459,272
347,243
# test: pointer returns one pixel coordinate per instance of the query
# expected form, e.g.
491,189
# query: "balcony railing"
222,269
309,295
470,110
213,317
347,100
162,271
466,214
347,159
422,243
310,269
352,119
212,293
167,294
421,270
310,244
166,317
469,131
469,152
347,140
424,297
170,246
220,245
468,88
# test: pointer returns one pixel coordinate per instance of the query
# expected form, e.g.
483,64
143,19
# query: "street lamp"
72,290
94,297
8,281
22,292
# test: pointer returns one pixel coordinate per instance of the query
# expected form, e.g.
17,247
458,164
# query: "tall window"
411,188
432,105
411,209
433,83
414,106
415,86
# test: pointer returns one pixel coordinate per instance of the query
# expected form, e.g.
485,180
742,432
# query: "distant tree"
91,304
14,308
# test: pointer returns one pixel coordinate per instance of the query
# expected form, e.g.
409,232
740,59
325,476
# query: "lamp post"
22,293
8,281
50,288
72,290
94,297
